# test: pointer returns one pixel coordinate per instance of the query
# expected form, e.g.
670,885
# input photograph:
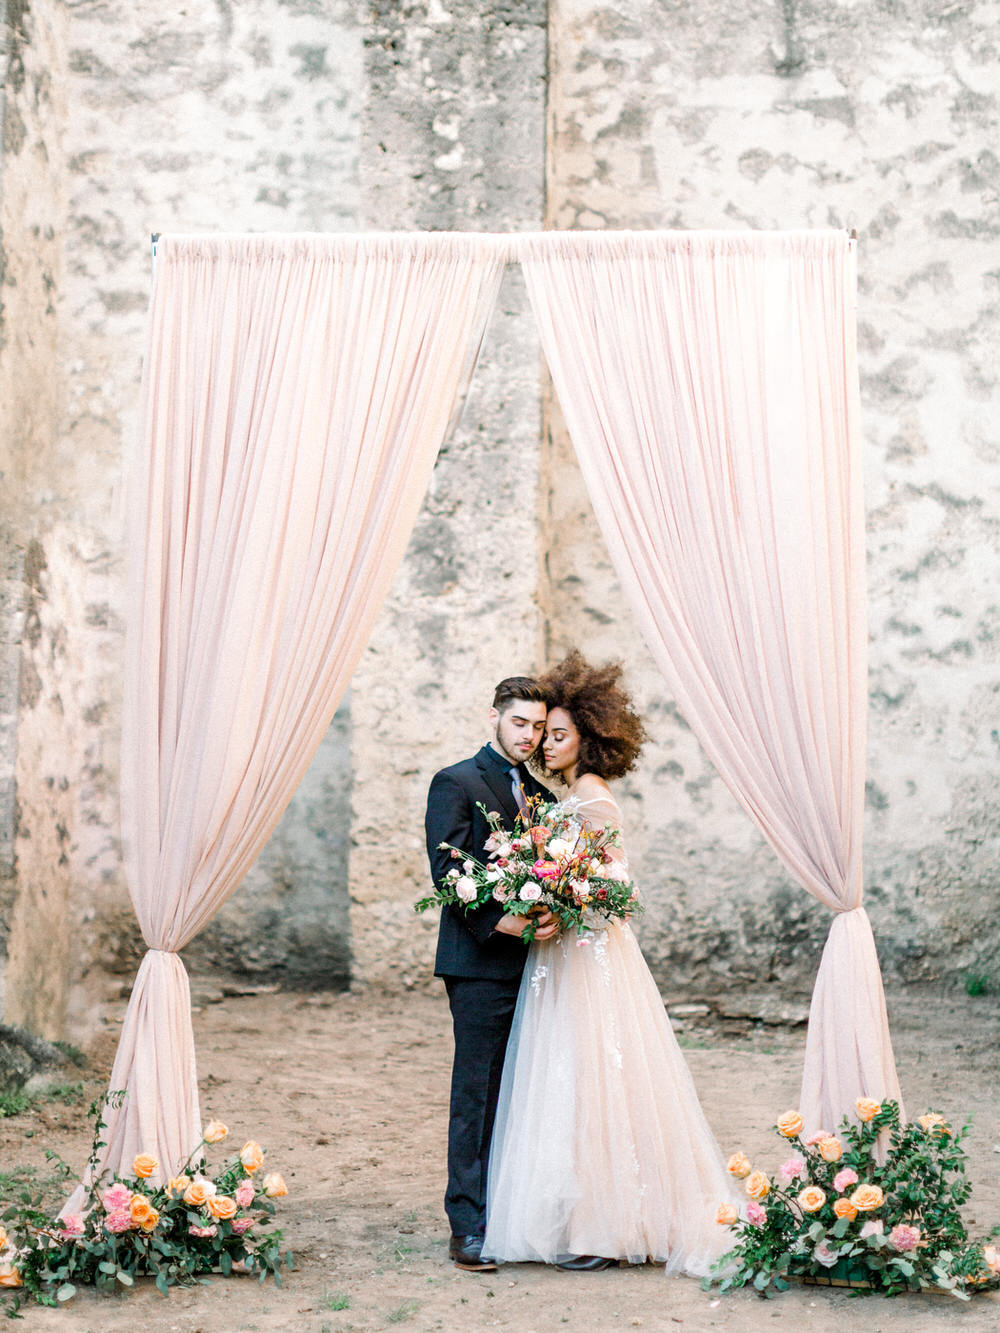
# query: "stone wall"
883,118
120,120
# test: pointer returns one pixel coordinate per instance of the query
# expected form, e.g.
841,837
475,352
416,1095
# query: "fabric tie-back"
296,392
709,384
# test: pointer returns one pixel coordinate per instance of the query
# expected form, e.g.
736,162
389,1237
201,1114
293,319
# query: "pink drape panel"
296,393
709,383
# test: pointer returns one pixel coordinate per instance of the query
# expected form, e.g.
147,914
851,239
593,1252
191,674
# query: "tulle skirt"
600,1145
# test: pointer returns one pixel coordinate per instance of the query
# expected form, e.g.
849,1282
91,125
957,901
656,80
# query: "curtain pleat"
296,392
709,384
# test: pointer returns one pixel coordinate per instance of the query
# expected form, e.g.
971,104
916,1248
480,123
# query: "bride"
600,1152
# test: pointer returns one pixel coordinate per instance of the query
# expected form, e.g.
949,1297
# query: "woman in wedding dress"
600,1150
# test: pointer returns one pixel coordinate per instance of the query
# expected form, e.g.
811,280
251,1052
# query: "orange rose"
143,1166
757,1185
790,1124
867,1109
148,1223
215,1131
3,1236
739,1165
830,1149
811,1199
9,1276
844,1208
176,1185
140,1208
222,1207
727,1215
274,1185
866,1198
252,1156
932,1123
199,1192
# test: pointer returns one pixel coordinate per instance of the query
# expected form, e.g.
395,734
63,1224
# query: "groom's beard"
507,745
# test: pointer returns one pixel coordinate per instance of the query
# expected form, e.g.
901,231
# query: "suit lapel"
499,785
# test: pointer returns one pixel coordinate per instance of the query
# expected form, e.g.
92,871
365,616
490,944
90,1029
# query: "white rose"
490,845
504,850
494,871
596,868
530,892
616,870
466,889
556,847
466,866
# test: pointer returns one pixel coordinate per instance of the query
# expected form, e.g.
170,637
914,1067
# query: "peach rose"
811,1199
199,1192
790,1124
844,1208
866,1198
727,1215
757,1185
831,1149
176,1185
991,1258
215,1131
222,1207
867,1109
252,1156
274,1185
149,1222
932,1123
140,1208
739,1165
3,1235
9,1276
143,1166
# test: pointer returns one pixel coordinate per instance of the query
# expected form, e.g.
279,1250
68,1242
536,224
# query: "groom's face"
518,730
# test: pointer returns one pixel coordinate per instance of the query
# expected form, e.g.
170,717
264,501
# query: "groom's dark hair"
525,688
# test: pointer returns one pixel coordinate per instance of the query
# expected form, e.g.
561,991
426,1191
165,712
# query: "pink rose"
903,1238
815,1138
241,1225
756,1215
72,1226
545,870
118,1220
844,1178
118,1196
213,1230
244,1194
824,1254
873,1227
794,1167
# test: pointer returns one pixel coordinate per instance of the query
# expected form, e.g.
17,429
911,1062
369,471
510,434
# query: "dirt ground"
348,1094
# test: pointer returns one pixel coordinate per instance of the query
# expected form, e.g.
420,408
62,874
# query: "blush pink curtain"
297,390
709,383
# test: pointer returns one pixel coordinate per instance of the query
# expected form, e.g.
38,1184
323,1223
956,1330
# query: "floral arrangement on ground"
194,1224
876,1207
552,859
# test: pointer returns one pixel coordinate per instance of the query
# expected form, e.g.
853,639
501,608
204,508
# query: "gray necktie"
515,786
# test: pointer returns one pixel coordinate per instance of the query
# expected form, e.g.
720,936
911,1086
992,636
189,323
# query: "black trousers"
481,1009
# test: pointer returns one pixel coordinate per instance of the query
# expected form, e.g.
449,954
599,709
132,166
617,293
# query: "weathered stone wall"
300,115
881,118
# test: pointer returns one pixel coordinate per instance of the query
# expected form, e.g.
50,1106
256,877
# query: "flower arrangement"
553,859
836,1214
194,1224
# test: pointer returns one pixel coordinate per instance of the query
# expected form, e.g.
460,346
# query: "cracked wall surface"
342,115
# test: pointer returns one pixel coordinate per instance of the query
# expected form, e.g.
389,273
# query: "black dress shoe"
467,1253
586,1263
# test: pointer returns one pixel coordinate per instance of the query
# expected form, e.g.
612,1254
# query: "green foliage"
336,1300
978,983
153,1235
14,1103
923,1187
402,1312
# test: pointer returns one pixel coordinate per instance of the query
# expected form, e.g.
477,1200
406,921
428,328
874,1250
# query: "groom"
480,954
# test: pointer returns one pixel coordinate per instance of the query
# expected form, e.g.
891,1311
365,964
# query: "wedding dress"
600,1144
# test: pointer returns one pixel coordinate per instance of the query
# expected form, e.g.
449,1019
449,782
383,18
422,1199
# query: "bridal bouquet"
553,860
837,1215
198,1222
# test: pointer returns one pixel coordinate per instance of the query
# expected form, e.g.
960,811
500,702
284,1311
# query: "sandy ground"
348,1095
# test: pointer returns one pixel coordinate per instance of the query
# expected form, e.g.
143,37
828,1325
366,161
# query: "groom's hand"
546,925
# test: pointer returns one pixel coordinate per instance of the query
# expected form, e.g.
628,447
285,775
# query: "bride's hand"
546,925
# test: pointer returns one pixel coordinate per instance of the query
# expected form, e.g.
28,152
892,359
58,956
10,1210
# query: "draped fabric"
709,383
296,392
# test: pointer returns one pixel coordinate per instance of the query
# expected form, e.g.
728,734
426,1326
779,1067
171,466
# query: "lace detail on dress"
537,977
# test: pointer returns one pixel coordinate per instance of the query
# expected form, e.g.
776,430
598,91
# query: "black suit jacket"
467,943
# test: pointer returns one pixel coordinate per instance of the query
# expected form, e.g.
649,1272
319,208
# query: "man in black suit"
480,953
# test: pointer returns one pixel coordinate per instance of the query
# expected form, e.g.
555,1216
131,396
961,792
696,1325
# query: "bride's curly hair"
611,731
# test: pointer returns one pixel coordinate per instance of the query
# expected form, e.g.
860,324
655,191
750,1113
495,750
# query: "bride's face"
561,746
